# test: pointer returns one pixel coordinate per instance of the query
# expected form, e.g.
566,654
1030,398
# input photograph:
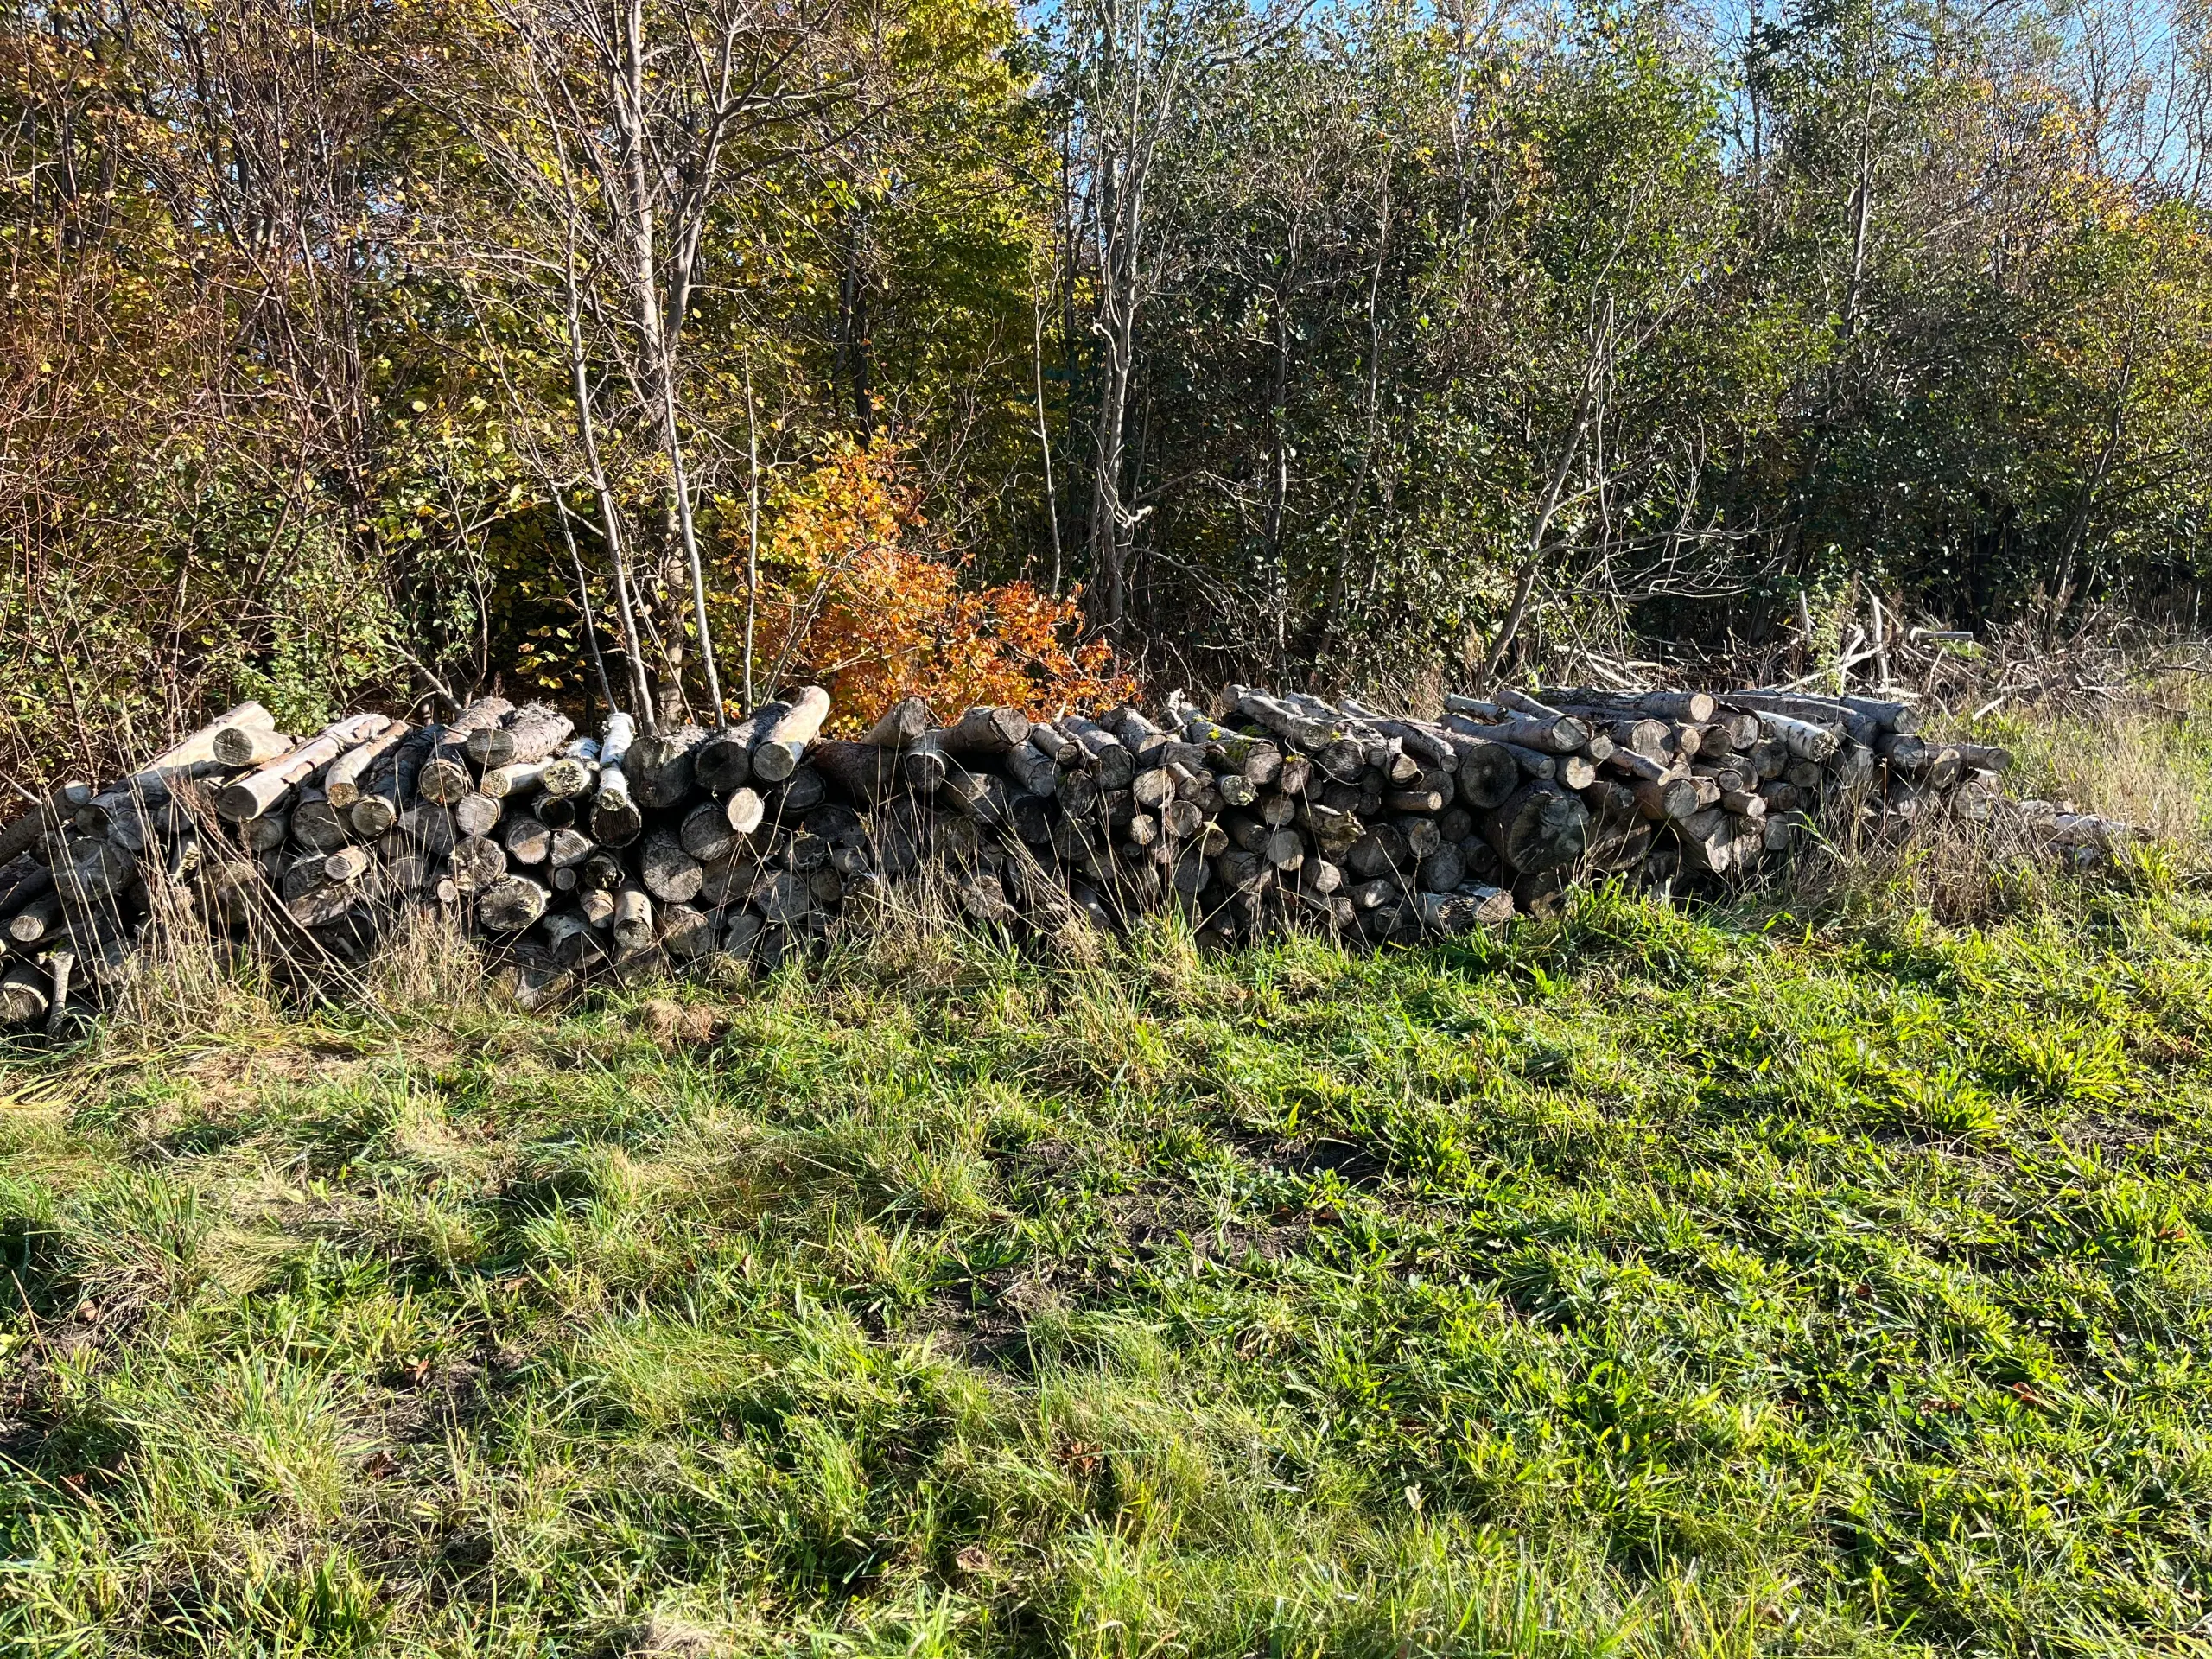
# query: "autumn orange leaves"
860,593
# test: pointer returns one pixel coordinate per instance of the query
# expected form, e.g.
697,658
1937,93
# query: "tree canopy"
643,349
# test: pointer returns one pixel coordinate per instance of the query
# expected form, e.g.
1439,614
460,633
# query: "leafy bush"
860,593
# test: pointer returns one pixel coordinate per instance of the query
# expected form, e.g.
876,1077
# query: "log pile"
628,850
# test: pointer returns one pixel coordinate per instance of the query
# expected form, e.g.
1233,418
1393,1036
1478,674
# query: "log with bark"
783,744
252,796
447,774
535,732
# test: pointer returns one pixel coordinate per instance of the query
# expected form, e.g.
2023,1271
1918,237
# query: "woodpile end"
631,851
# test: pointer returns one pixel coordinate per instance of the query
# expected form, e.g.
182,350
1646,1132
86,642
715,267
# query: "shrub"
861,595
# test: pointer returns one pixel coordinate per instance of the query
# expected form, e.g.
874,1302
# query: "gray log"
865,772
705,832
744,811
784,743
446,776
390,788
476,863
1984,756
1031,768
987,734
567,849
24,996
1899,717
511,904
1153,789
535,732
615,819
315,823
568,935
800,792
1488,773
248,746
268,832
348,864
475,815
321,903
1107,756
254,794
349,774
1806,741
190,757
1320,877
1692,708
516,777
902,723
729,879
428,827
725,761
1061,750
686,933
1422,836
1312,733
528,840
60,967
1553,735
668,873
29,881
1454,913
565,776
1381,851
1413,800
1541,827
633,922
615,737
36,918
781,896
660,768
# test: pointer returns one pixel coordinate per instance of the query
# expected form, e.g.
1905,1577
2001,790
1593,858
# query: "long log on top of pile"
1264,809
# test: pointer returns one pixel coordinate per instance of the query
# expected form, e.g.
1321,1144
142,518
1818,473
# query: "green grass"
1644,1283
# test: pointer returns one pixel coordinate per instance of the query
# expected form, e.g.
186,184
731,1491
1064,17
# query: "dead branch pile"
631,851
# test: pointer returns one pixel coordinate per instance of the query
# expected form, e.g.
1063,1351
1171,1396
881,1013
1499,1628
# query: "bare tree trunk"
656,344
610,515
1044,430
752,528
1107,527
1141,109
2077,525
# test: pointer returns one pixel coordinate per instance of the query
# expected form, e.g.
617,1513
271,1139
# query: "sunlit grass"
1652,1282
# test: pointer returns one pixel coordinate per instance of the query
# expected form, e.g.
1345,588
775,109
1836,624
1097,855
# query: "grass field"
1643,1283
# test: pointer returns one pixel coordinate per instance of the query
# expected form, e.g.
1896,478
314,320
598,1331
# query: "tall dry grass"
2139,751
2143,754
188,983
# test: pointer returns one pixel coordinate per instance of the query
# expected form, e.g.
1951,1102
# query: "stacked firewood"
629,850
